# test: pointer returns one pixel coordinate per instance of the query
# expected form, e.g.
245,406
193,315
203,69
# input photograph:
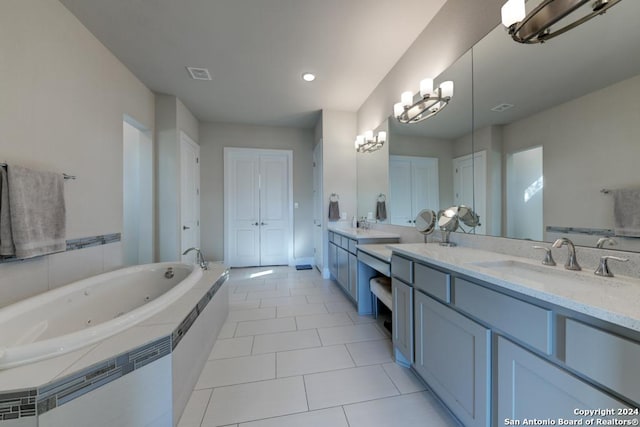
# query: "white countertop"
361,234
615,300
378,250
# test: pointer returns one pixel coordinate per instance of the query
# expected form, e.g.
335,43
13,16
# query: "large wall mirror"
555,125
416,169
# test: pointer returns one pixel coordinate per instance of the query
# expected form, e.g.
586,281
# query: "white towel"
38,219
6,240
626,211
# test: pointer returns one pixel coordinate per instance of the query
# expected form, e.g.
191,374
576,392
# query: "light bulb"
382,136
359,140
446,89
426,87
398,109
368,135
406,98
512,12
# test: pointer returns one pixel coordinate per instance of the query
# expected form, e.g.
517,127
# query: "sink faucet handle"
572,260
603,267
548,257
603,240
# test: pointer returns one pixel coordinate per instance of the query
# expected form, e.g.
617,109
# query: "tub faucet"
572,262
199,258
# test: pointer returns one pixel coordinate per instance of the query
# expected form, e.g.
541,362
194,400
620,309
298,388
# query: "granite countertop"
362,234
380,251
615,300
157,326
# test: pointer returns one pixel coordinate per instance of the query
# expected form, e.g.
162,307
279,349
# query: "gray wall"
64,97
213,138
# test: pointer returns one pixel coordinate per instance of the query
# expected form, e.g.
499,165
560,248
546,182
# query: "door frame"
227,195
186,140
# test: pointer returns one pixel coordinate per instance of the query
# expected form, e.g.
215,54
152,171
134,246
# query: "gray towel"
381,211
6,240
38,215
626,211
334,211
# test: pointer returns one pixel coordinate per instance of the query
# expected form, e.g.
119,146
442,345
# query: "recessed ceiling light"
308,77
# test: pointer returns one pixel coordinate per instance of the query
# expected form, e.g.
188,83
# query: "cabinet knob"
184,227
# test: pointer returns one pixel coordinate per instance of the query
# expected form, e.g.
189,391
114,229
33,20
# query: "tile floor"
294,352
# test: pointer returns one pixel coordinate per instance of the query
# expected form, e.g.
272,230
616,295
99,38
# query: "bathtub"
89,310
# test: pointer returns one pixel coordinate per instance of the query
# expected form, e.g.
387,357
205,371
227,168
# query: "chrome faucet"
603,240
199,258
548,258
572,262
603,268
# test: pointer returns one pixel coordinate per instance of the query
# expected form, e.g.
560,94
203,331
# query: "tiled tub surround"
89,310
85,257
164,353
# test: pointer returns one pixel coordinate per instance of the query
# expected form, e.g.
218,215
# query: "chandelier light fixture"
369,143
430,102
535,26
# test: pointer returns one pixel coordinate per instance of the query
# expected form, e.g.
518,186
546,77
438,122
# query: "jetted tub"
89,310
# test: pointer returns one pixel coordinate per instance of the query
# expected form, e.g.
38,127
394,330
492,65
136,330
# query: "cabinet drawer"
331,236
337,239
607,358
524,321
345,243
352,246
432,282
402,268
375,263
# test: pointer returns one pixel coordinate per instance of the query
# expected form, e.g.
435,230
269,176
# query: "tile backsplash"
20,279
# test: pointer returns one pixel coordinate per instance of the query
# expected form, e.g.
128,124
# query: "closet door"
274,209
242,202
400,194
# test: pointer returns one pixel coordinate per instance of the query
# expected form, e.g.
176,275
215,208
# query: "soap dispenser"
354,222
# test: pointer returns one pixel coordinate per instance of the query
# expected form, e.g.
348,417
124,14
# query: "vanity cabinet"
402,324
343,263
493,355
531,387
452,354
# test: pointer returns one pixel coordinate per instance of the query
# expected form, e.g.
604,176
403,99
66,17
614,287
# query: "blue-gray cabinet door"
402,325
531,387
453,357
333,260
353,276
343,268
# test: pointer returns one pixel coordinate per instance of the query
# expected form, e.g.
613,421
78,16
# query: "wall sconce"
430,102
535,27
368,143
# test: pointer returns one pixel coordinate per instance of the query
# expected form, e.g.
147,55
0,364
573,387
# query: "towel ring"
382,197
334,197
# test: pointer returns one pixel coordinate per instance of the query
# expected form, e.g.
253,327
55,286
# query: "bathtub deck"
294,352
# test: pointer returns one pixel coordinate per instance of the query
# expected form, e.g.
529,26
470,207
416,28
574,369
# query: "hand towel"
381,210
36,201
6,240
334,211
626,212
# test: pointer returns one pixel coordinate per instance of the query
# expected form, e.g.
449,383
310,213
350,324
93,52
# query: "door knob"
255,223
263,223
184,227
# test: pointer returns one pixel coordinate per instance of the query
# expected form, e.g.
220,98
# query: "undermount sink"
543,274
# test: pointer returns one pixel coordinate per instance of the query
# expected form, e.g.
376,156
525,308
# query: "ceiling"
257,50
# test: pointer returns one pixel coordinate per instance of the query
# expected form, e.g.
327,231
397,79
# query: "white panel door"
470,185
189,196
274,209
400,191
258,215
425,192
317,207
242,199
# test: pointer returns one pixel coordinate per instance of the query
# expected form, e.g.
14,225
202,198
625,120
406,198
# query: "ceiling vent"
501,107
199,73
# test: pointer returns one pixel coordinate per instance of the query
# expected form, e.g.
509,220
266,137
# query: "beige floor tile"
268,326
333,417
270,343
251,314
371,352
238,370
255,401
404,379
349,334
300,310
312,360
232,347
323,320
346,386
